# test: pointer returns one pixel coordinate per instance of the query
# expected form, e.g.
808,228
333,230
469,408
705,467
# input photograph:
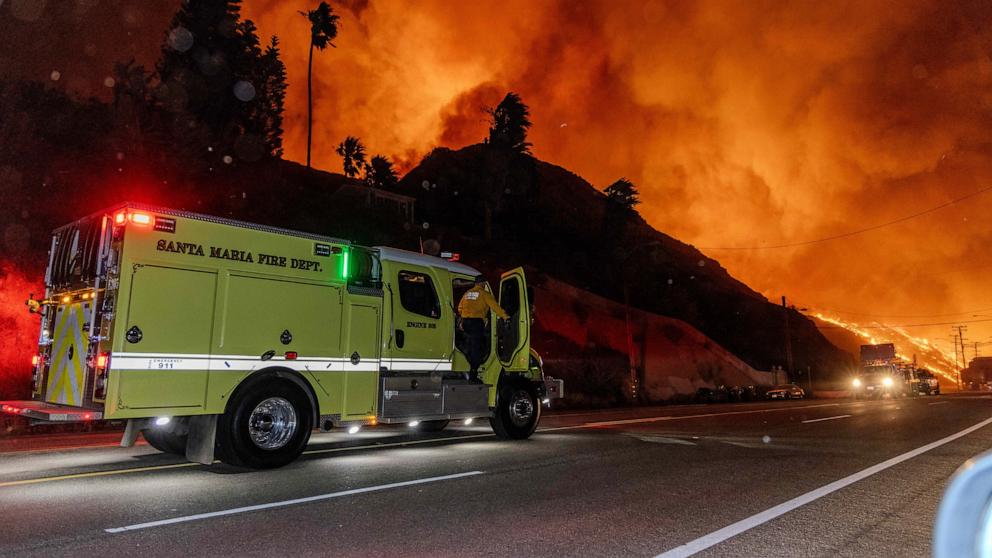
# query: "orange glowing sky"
743,123
747,123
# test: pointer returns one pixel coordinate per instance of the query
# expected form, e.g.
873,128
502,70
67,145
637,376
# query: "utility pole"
956,351
632,370
788,342
959,339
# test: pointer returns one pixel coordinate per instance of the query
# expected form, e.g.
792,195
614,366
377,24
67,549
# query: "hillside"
501,211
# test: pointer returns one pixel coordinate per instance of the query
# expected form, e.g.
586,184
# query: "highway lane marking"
825,418
181,465
284,503
96,474
716,537
939,403
413,442
682,417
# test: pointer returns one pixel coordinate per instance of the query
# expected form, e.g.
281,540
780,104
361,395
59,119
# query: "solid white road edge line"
284,503
716,537
826,418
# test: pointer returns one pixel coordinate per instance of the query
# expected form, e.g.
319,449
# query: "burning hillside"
908,346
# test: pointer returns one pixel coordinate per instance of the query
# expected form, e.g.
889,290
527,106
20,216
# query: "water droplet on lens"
244,91
180,39
55,75
108,81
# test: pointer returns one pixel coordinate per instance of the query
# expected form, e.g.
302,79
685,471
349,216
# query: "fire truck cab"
219,338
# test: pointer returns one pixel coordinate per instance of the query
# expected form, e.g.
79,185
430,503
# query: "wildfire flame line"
929,356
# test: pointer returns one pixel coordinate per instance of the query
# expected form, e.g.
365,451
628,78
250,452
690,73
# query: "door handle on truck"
399,338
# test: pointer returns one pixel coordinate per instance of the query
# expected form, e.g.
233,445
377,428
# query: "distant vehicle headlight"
856,383
887,382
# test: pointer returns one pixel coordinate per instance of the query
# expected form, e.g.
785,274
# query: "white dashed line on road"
826,418
270,505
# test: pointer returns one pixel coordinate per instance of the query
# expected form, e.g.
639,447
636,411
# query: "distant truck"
928,384
215,337
881,373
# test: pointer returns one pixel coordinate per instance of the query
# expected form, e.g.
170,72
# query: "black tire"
520,423
278,441
432,425
165,441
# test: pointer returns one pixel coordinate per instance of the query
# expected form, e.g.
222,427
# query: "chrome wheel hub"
272,423
521,408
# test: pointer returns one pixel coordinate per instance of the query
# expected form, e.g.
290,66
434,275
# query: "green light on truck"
344,263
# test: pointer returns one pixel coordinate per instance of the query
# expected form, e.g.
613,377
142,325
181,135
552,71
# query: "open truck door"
513,335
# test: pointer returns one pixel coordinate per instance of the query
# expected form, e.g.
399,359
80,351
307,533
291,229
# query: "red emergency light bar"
135,217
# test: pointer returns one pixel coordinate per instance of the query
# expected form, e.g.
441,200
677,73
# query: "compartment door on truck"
361,371
422,324
263,314
513,335
164,359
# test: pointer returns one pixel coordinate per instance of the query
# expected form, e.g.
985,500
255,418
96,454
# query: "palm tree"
379,173
323,29
353,153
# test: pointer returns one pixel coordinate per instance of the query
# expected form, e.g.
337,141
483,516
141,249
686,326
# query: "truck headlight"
856,383
887,382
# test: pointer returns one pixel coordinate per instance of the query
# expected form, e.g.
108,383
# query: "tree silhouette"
220,88
323,30
509,123
623,193
379,173
271,73
353,153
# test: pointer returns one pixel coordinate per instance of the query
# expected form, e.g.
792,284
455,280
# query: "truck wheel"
165,441
267,426
517,411
432,425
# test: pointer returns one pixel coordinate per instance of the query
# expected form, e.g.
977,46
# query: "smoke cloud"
744,124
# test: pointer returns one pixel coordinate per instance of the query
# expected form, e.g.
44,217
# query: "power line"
854,232
904,315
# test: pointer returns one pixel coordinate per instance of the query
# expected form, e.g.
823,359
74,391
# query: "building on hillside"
354,195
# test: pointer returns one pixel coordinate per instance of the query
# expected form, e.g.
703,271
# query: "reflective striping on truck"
68,370
220,363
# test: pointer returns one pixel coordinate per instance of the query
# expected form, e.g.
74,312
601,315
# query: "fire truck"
883,374
220,339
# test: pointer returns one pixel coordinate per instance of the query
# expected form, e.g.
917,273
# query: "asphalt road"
636,482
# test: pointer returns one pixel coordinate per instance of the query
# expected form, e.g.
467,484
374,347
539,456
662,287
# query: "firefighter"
474,310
